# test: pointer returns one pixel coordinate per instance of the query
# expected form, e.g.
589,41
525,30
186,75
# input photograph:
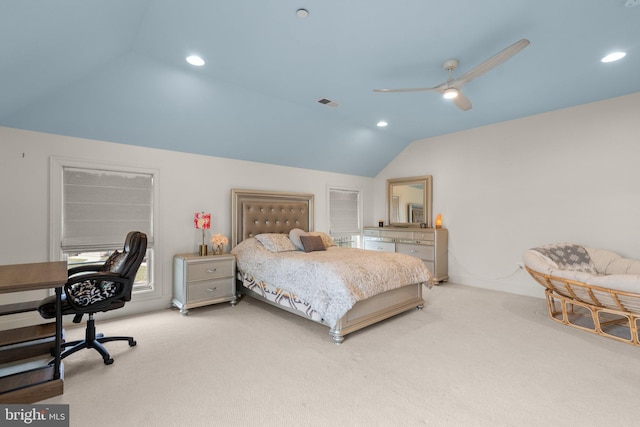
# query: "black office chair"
99,287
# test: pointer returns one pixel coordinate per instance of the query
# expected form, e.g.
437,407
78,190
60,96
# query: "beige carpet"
472,357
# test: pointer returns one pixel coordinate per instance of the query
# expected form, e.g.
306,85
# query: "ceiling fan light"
450,93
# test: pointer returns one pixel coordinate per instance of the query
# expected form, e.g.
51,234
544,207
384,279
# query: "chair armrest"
96,278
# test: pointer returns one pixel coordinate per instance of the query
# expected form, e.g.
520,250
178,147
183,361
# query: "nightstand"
203,280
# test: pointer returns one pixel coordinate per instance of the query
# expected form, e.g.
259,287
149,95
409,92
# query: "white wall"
187,183
568,175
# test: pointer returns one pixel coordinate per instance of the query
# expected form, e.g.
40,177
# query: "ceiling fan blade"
492,62
413,89
461,101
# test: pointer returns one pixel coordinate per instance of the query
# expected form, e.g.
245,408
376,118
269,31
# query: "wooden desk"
44,382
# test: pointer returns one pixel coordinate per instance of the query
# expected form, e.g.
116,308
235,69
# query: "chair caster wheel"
132,343
108,361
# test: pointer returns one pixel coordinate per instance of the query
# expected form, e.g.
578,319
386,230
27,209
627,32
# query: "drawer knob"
211,270
212,290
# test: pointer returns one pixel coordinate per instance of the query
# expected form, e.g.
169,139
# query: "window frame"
56,181
355,237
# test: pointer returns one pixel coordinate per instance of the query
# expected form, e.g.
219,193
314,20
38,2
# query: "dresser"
428,244
203,280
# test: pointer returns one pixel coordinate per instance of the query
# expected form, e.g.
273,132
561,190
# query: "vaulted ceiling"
115,71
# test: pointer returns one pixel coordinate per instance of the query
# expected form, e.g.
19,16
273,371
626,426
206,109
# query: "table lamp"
202,221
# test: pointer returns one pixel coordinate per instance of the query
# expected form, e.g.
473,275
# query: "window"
97,206
345,216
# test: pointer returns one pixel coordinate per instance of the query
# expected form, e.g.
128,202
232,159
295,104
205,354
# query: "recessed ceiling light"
195,60
614,56
382,124
302,13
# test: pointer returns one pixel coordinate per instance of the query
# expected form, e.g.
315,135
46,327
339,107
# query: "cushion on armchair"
568,256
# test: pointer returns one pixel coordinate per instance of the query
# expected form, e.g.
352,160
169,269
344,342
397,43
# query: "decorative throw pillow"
312,243
326,239
275,242
294,236
568,256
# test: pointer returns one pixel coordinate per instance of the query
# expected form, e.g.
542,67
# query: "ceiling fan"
451,88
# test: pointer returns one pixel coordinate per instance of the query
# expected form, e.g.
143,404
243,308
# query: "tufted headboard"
257,211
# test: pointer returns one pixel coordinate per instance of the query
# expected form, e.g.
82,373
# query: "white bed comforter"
331,281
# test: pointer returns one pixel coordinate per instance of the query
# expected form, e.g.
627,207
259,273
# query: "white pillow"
276,242
294,236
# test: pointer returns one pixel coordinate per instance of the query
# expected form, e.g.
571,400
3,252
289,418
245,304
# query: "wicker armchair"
590,289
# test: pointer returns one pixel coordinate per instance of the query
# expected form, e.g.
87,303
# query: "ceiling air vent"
328,102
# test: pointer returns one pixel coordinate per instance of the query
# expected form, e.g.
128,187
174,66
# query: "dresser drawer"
431,267
374,245
209,269
209,290
396,234
424,252
424,235
371,233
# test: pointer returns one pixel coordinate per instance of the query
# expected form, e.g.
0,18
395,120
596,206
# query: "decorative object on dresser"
202,221
203,280
333,286
428,244
218,242
439,221
409,201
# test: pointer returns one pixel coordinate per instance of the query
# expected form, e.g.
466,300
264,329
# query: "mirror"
409,201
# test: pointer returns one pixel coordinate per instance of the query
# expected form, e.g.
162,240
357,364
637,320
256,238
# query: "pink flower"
202,220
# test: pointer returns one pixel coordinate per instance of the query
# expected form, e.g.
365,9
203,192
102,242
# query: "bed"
377,285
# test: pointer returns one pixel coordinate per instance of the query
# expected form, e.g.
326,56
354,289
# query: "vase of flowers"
218,242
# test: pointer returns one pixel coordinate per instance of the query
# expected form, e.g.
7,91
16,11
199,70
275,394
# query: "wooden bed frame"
257,211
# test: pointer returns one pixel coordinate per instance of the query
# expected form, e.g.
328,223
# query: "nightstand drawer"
210,290
210,269
419,251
